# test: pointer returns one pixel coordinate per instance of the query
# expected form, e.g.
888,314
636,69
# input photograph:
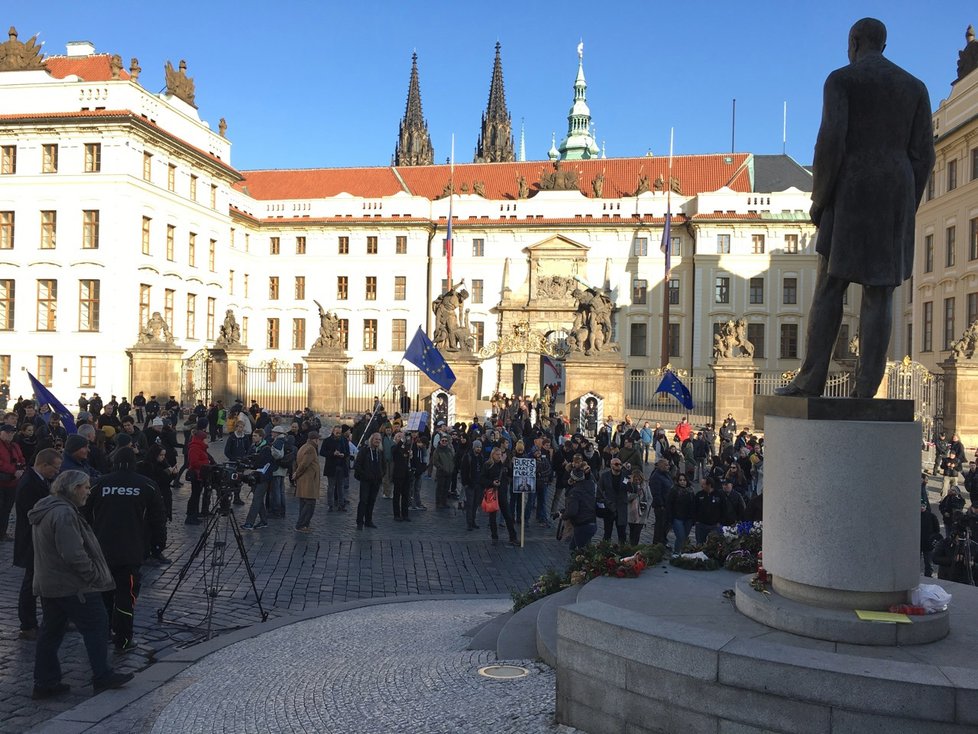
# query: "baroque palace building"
117,202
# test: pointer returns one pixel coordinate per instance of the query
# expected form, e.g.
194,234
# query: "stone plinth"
225,372
841,500
961,400
466,387
154,368
326,381
734,390
602,373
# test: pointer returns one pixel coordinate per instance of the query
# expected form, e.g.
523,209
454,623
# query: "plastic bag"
931,597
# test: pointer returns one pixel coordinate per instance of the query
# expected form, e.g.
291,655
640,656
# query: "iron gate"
197,379
277,386
909,380
393,385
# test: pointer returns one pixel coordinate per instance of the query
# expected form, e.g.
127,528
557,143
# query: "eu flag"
674,386
46,397
425,356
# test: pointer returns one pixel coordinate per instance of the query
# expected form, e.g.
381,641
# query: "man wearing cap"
307,480
12,468
76,456
283,456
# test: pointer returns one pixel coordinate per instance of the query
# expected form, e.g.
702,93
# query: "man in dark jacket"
336,468
579,510
401,476
470,470
660,484
35,484
369,469
709,510
126,512
930,534
612,494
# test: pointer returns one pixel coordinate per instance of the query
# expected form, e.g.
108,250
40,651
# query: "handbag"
490,501
603,511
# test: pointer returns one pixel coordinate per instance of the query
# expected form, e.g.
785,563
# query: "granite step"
487,634
547,622
518,637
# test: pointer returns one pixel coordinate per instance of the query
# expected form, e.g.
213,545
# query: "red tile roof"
696,174
476,223
94,68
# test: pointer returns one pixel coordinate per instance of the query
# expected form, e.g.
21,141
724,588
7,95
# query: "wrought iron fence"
643,403
394,386
197,379
909,380
838,384
278,387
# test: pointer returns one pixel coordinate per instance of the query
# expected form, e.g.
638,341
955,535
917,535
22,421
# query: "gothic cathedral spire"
496,138
413,141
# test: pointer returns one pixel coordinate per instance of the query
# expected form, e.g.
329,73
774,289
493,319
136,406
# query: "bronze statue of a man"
874,153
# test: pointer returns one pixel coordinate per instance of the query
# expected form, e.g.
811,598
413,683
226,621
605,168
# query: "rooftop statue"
19,56
178,84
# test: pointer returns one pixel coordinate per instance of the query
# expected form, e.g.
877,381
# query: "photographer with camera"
957,554
260,458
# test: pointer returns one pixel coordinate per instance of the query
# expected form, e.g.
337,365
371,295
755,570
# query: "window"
192,249
8,289
300,287
674,337
47,305
145,235
478,247
244,330
45,370
298,372
343,246
399,335
8,159
86,372
973,238
371,245
929,253
274,245
370,288
49,158
369,374
299,334
247,242
147,166
972,308
479,332
477,288
90,229
88,305
949,334
168,297
910,290
673,291
949,237
675,244
841,350
93,157
345,332
755,335
791,244
49,230
144,294
271,334
342,288
300,245
909,338
723,244
722,290
230,282
193,187
952,175
171,177
444,285
927,344
637,343
5,368
6,230
211,316
757,290
789,341
273,288
400,287
789,291
640,288
640,247
246,285
930,186
231,237
213,196
370,335
212,256
171,233
974,163
191,313
757,242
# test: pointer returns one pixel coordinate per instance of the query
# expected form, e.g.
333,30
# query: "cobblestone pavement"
433,554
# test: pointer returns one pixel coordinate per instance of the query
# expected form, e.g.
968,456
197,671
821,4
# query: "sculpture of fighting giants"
330,337
230,331
732,341
155,331
591,330
964,348
451,324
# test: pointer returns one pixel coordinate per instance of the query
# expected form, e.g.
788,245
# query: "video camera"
231,475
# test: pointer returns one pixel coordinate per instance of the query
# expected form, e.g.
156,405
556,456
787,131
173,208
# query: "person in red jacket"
683,430
12,466
198,458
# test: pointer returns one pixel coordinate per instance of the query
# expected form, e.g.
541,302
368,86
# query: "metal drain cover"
503,672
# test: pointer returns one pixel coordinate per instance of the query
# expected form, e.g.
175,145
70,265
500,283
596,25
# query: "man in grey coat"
874,153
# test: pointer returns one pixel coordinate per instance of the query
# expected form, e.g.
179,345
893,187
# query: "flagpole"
379,402
449,245
665,280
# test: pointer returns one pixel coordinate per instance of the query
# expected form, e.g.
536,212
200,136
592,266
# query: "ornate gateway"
522,341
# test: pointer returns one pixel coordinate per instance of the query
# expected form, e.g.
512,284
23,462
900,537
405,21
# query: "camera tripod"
219,524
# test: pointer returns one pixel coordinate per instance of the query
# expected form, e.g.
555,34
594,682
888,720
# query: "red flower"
620,573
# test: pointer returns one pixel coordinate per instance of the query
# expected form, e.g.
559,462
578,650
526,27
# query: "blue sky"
305,84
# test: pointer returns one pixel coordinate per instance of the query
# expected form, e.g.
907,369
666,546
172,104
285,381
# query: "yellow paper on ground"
869,616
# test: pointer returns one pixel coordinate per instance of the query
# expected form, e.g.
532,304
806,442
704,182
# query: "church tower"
413,141
496,138
579,143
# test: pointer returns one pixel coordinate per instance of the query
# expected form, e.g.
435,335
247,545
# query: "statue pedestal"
225,366
602,373
154,368
326,381
961,400
733,390
465,365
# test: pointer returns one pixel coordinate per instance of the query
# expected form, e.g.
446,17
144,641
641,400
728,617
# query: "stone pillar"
841,521
602,373
225,363
326,380
733,390
961,400
466,387
155,368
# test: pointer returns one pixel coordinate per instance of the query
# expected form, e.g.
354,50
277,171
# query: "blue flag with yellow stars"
675,387
425,356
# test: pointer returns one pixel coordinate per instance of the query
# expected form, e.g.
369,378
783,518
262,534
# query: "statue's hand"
816,214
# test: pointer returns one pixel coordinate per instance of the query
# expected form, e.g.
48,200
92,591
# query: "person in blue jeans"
680,507
263,463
